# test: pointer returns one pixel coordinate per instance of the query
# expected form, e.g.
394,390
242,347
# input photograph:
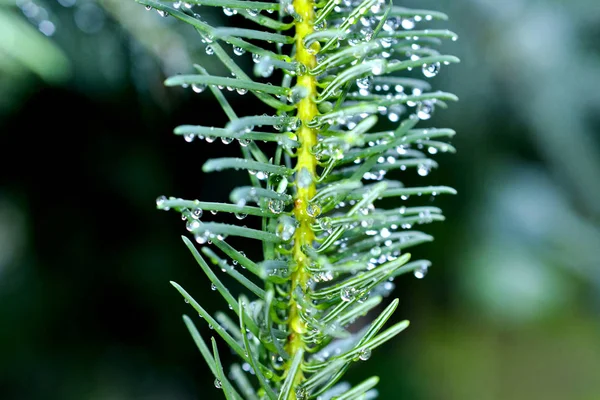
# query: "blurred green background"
510,309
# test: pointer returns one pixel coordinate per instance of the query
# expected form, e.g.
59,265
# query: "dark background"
509,310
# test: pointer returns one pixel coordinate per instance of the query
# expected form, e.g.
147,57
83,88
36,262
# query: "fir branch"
330,251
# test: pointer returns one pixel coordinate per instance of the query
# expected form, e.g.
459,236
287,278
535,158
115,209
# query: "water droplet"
425,109
197,213
186,301
287,229
408,23
202,238
264,68
276,206
375,251
378,67
421,271
326,224
423,169
160,201
189,137
301,394
213,286
313,209
348,293
209,50
431,70
192,224
218,384
198,88
238,51
364,354
228,11
240,215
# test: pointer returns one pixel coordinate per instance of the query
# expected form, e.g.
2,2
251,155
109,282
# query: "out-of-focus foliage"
509,309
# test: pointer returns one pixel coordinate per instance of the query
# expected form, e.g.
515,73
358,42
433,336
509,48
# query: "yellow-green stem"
307,110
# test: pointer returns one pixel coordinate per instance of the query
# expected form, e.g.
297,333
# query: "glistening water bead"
431,70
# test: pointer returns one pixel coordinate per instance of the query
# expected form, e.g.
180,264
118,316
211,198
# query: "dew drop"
313,209
160,201
423,169
348,294
364,354
192,224
301,394
424,110
218,384
189,137
213,286
199,88
276,206
431,70
408,23
240,215
375,251
420,272
197,213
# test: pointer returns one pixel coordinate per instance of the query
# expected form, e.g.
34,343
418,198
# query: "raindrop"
423,169
424,110
228,11
197,213
160,201
198,88
264,68
218,384
313,209
287,229
378,67
348,294
276,206
364,354
213,286
301,394
420,272
189,137
375,251
408,23
192,224
209,50
238,51
325,224
240,215
431,70
162,13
